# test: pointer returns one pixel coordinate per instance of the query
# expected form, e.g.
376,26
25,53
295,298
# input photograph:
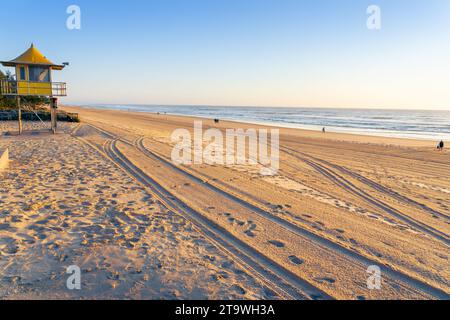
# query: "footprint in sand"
11,249
240,223
295,260
318,226
223,275
444,257
238,289
233,221
209,258
298,218
326,280
276,243
4,226
249,233
252,229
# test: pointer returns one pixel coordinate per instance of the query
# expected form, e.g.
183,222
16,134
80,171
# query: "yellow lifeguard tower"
33,77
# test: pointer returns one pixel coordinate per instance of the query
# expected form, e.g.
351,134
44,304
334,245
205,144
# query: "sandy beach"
105,195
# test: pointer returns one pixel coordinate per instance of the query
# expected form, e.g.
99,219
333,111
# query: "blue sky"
241,52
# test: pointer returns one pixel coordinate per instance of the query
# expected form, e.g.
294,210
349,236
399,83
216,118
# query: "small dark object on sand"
323,129
440,145
216,120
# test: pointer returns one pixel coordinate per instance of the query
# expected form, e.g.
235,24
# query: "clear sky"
241,52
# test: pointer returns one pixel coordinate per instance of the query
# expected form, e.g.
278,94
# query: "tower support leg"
54,113
19,115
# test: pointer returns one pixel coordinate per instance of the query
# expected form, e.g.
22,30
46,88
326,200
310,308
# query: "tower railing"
59,89
30,88
8,87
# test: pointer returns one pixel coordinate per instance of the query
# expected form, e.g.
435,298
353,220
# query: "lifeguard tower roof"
32,57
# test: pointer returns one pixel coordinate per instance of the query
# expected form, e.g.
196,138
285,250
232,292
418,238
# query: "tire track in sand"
350,187
356,257
400,279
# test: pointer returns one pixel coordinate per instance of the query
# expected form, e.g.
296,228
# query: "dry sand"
63,203
106,196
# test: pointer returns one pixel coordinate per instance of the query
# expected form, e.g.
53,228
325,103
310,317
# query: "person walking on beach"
323,130
440,145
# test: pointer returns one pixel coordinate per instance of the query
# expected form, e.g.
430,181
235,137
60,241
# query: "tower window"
39,74
22,73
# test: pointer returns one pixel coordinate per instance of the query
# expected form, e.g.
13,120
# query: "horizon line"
256,107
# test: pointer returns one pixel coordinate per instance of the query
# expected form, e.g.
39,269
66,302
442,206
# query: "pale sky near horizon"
241,52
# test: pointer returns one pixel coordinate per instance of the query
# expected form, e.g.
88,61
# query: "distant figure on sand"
323,129
440,145
216,120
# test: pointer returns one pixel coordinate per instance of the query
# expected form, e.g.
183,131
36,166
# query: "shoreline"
329,135
383,133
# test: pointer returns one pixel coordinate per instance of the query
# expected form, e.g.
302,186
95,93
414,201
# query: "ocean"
413,124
